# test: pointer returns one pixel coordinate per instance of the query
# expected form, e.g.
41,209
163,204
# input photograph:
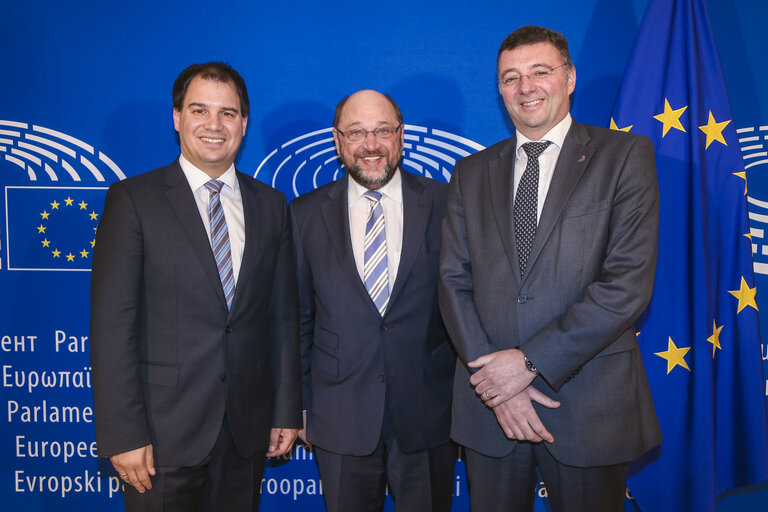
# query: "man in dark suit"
377,364
194,318
548,257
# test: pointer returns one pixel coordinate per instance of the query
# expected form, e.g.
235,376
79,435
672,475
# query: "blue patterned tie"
220,241
527,202
375,269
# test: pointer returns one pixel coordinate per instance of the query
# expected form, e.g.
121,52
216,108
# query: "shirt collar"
198,178
393,190
556,135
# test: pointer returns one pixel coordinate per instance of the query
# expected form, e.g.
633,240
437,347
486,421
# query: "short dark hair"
340,108
216,72
531,34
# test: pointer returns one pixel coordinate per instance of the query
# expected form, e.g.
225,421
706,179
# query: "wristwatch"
531,367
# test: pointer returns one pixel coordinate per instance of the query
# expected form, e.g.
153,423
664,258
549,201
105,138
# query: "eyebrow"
228,109
532,66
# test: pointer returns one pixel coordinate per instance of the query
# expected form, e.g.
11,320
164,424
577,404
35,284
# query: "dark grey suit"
362,371
589,276
169,359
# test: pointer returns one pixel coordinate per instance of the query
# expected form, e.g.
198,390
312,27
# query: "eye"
512,79
383,131
198,111
355,133
227,114
541,74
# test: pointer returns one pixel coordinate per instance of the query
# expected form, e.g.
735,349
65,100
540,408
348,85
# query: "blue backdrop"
85,101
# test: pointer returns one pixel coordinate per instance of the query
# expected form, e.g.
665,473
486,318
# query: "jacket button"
381,378
223,379
228,329
384,327
522,299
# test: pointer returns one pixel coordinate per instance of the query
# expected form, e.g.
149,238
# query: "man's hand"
518,418
502,375
281,440
135,467
303,431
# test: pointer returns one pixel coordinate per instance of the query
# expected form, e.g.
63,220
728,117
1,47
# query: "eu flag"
699,336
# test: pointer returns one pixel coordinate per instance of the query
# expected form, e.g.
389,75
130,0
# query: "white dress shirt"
231,201
547,159
359,207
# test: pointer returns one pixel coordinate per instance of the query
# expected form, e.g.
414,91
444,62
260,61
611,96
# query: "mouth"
529,104
212,140
371,158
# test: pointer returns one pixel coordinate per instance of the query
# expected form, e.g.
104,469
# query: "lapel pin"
582,158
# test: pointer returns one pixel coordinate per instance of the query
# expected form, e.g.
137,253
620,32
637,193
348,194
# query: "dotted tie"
220,241
527,202
375,269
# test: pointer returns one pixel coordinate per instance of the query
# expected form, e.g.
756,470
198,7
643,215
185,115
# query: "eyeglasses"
383,133
541,74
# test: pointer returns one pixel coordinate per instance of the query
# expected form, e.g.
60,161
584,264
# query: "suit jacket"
589,276
169,360
354,362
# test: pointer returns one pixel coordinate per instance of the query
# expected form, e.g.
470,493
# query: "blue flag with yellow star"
52,228
699,336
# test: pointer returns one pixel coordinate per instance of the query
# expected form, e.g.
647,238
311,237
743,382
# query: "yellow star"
83,205
93,243
41,229
748,235
56,253
746,296
674,356
69,201
742,175
70,257
615,127
45,215
55,205
95,228
714,130
83,253
93,215
715,338
670,118
46,243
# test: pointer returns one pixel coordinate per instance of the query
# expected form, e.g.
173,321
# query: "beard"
368,180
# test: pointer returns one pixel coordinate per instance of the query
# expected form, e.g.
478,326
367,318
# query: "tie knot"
534,149
373,196
214,186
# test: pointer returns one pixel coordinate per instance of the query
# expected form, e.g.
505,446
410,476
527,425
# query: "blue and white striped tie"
220,241
375,268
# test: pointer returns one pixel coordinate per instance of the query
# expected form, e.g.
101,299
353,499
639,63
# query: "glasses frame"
375,133
531,76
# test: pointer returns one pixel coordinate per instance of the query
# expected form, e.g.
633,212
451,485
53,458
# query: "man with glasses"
377,364
548,258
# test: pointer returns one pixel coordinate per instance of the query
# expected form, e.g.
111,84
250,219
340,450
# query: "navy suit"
169,360
361,371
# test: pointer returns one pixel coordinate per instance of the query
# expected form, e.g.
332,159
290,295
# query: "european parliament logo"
50,225
752,141
309,161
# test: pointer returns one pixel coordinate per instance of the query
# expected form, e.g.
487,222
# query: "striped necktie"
220,240
375,269
527,201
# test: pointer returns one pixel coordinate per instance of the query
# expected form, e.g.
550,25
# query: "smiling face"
536,106
371,162
210,125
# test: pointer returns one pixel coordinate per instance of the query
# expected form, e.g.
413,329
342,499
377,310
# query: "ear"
571,80
337,141
176,119
245,124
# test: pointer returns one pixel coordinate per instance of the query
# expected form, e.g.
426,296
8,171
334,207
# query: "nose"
526,84
370,142
213,121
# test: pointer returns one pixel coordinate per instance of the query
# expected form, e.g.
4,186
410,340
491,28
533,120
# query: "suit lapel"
501,177
335,213
574,158
248,193
416,212
182,201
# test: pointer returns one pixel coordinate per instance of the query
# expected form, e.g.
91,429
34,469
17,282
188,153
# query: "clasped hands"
504,384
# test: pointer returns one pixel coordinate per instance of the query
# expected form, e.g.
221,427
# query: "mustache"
363,154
